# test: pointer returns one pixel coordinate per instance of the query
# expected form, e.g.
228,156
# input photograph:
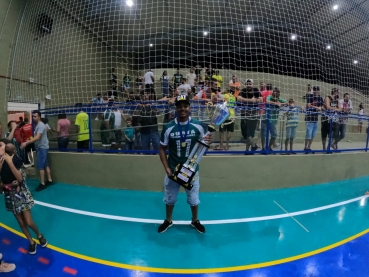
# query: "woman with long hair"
18,198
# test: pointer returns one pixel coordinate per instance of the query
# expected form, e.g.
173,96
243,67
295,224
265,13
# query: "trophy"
217,114
184,173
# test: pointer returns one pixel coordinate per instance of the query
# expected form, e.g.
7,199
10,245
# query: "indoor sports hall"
275,92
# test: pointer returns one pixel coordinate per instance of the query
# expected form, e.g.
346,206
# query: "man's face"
234,79
178,71
347,97
36,118
145,97
214,86
262,86
249,86
291,103
183,109
276,94
191,70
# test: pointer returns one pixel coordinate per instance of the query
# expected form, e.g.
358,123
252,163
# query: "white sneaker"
4,267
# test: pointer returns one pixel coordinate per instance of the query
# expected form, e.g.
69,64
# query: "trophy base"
183,176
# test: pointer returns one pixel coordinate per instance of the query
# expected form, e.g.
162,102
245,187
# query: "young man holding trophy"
187,140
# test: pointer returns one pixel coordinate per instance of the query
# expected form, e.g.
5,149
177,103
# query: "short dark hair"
5,141
99,94
21,118
37,112
10,123
344,95
62,116
45,120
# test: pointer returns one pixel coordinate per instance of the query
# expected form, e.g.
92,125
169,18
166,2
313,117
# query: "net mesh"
66,51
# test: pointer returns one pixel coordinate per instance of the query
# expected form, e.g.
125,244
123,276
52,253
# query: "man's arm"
164,159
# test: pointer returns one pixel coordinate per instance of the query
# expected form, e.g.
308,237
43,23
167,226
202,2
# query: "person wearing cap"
250,98
179,136
331,106
314,105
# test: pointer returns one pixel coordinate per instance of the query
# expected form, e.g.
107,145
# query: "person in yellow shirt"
217,77
227,128
82,130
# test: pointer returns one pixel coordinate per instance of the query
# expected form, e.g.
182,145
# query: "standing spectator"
149,84
198,70
275,102
200,83
149,126
107,127
98,99
113,77
227,128
42,149
191,80
360,121
82,130
177,79
291,126
313,106
165,83
129,135
346,105
113,93
127,81
208,94
262,87
14,135
136,125
234,83
184,88
250,98
218,77
18,198
139,82
331,106
118,115
5,267
268,90
169,112
27,134
208,73
63,127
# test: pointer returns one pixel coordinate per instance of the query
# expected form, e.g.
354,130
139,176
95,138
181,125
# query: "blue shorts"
311,129
291,132
171,190
272,129
42,158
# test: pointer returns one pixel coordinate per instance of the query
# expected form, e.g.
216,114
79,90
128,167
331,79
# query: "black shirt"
7,176
316,101
198,71
148,118
252,108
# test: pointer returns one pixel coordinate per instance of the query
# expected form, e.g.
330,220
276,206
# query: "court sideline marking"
207,222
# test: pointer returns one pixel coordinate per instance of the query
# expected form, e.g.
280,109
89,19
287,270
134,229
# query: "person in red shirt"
26,135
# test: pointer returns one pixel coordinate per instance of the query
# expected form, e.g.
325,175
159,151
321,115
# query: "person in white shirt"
149,84
346,105
184,88
191,80
118,115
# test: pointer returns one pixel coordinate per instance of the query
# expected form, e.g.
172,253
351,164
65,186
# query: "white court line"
291,216
208,222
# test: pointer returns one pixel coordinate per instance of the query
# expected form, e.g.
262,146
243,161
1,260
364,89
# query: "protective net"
66,52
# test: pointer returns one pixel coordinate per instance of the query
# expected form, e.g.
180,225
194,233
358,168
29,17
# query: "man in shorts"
179,136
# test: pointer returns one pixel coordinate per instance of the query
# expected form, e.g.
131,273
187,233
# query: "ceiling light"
248,29
335,7
356,61
329,47
205,33
151,45
293,37
129,3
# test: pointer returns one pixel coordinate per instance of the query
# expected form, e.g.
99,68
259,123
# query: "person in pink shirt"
63,127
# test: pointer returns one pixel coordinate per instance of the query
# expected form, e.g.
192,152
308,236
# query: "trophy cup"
184,173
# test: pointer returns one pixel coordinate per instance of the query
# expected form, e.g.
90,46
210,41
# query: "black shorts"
228,126
248,128
118,136
84,144
30,147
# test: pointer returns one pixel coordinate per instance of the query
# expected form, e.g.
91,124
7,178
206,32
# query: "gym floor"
319,230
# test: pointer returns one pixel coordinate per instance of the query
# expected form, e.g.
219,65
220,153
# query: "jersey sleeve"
164,138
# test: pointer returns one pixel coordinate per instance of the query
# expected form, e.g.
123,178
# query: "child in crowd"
129,134
18,198
291,125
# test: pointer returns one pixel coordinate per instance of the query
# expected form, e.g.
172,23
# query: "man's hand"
14,125
208,139
168,171
7,158
23,145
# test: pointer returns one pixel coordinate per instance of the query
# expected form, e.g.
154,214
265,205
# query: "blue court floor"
319,230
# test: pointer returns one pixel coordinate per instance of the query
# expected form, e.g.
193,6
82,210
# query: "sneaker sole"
166,229
33,253
47,243
197,229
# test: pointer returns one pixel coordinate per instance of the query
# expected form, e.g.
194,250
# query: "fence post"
367,140
267,129
330,136
90,131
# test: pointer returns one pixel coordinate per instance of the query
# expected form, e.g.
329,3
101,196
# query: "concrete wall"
70,64
217,173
